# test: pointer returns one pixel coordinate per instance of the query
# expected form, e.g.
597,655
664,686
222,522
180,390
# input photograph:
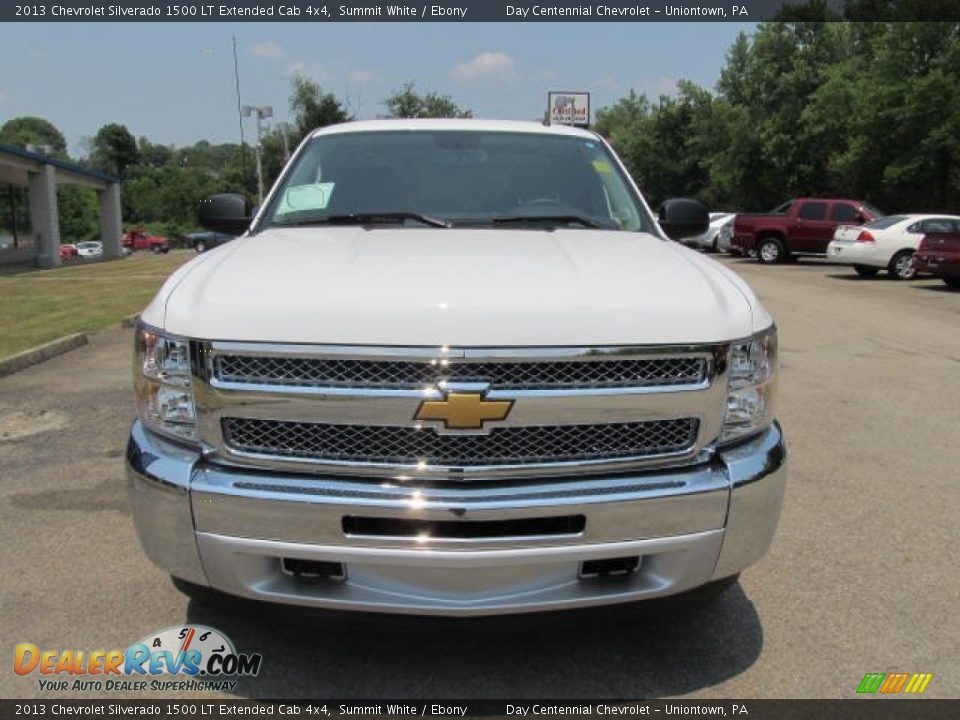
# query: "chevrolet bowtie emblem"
463,411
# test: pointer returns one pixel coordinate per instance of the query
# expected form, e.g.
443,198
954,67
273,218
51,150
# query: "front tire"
865,271
200,247
771,251
953,281
902,266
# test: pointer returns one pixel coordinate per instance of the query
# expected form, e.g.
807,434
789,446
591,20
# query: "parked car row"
845,232
890,243
804,226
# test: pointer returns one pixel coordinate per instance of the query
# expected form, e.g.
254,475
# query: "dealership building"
29,220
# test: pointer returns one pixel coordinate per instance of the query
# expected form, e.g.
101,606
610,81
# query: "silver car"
720,230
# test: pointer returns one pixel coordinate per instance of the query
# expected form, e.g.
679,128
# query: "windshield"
457,178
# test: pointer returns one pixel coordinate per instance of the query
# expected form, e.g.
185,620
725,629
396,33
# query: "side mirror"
226,213
682,218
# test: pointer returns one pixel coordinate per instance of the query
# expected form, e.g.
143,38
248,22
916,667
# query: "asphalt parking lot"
862,576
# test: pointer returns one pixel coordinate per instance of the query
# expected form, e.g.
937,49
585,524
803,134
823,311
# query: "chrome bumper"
230,528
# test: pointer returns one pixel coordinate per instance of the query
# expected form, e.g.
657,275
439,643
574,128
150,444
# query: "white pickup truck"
455,367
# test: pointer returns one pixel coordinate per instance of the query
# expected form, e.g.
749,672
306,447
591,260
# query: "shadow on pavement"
625,652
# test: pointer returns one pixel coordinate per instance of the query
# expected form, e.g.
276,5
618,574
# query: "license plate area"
384,527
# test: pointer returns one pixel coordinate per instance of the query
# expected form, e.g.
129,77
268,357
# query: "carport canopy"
39,175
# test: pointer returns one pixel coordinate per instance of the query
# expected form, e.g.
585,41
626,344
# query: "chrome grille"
406,374
518,445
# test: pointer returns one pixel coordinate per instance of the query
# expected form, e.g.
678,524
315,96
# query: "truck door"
812,230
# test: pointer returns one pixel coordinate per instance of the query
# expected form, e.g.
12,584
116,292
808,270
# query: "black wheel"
952,281
866,271
771,251
157,249
166,250
903,266
200,247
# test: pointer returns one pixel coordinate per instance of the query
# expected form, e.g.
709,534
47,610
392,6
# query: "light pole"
284,128
262,112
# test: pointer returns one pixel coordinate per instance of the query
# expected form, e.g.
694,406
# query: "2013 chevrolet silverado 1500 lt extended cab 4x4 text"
455,367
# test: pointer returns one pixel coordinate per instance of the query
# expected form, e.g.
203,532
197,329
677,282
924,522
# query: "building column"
43,215
111,224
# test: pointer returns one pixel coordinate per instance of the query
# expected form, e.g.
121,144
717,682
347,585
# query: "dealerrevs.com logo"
183,657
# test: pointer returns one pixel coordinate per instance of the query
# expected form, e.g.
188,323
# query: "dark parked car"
804,226
939,254
203,241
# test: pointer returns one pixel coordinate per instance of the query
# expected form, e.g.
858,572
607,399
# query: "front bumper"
231,529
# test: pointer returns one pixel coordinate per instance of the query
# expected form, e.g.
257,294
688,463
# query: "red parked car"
804,226
939,254
68,251
143,239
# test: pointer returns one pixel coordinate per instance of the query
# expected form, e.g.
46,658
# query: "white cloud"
312,70
268,49
497,65
364,75
609,83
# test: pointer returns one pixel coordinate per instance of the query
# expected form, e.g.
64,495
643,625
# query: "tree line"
163,185
867,110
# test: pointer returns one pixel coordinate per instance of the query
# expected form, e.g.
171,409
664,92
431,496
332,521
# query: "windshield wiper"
565,219
370,219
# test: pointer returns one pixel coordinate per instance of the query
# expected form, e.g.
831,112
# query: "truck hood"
461,287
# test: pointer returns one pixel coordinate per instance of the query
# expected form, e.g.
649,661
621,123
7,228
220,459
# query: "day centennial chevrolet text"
455,367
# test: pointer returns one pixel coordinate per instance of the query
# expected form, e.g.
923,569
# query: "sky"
174,83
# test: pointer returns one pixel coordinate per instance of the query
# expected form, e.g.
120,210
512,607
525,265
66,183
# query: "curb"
41,353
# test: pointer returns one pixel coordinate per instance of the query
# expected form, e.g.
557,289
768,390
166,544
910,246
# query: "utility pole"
284,128
262,112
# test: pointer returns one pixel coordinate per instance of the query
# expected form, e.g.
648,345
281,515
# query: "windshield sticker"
315,196
602,166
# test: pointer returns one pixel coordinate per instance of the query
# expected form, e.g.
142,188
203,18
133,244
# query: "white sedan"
886,244
90,250
721,228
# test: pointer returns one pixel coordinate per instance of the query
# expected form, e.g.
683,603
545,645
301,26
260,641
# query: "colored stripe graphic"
892,683
918,683
871,682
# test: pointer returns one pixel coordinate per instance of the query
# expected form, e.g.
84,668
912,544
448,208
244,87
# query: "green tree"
78,213
313,108
27,130
113,149
408,103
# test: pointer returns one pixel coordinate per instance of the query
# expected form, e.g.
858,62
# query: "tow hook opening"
313,571
609,567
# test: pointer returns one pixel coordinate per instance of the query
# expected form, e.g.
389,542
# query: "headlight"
753,386
161,378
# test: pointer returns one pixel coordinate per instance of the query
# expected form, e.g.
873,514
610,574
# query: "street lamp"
262,112
285,128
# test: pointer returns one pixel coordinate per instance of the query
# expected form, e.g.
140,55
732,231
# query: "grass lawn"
37,306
